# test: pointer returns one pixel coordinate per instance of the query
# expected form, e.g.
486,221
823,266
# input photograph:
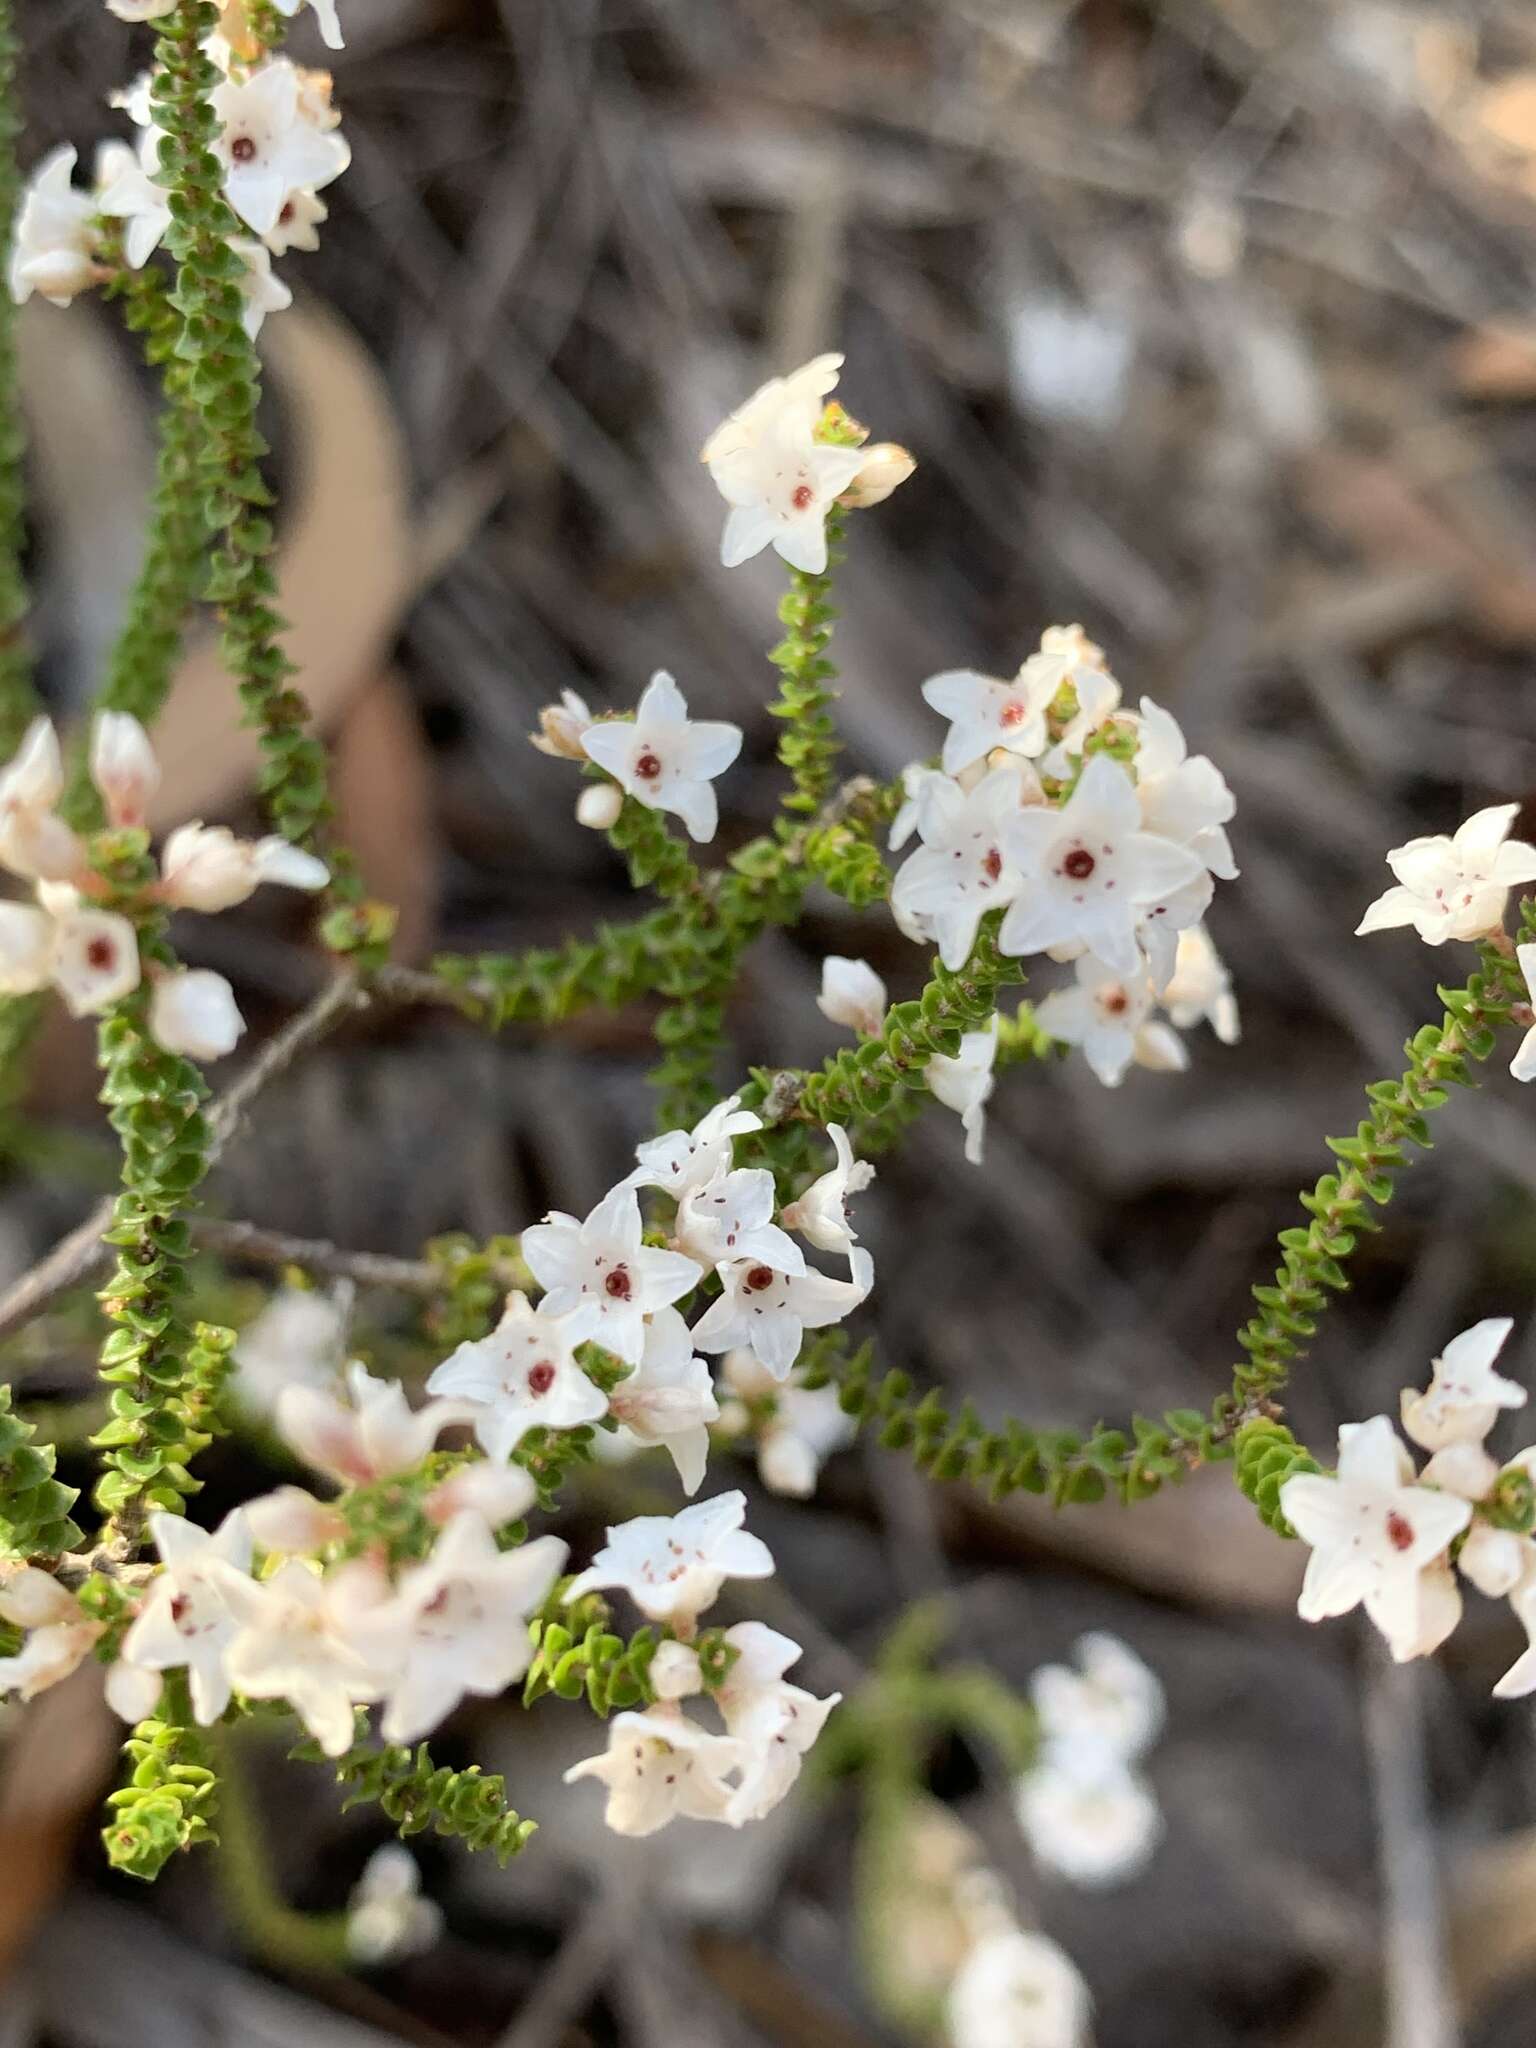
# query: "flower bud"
787,1465
194,1012
598,808
30,1598
123,767
26,948
886,466
675,1673
561,727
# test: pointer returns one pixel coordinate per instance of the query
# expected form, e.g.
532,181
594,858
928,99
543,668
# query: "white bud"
132,1692
787,1464
193,1011
886,467
852,994
123,767
33,1599
26,948
598,808
95,960
675,1673
1494,1559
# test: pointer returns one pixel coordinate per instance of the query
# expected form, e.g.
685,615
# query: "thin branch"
264,1247
79,1255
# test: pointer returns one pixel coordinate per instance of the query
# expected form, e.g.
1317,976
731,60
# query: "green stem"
417,1794
809,745
275,1931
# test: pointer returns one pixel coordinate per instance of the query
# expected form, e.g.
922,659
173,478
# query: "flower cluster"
1086,1811
1392,1539
1095,836
278,144
81,934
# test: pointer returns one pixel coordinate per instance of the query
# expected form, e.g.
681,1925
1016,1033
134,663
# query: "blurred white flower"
388,1920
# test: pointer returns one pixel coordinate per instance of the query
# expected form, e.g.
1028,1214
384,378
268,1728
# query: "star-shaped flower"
731,1217
600,1276
658,1766
821,1213
664,759
963,1082
262,292
985,713
776,1723
523,1376
458,1624
268,147
1519,1681
1110,1017
185,1621
127,189
372,1434
778,480
852,994
1466,1394
673,1566
680,1160
298,224
1088,869
1200,990
94,954
55,245
388,1920
1184,797
301,1639
796,1428
768,1312
963,868
1377,1539
1455,888
669,1398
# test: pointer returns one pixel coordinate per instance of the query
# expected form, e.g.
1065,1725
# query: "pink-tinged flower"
288,1522
205,867
523,1376
458,1624
303,1639
95,959
768,1312
673,1566
185,1621
1378,1540
658,1766
372,1434
601,1277
59,1637
663,758
123,767
497,1493
35,843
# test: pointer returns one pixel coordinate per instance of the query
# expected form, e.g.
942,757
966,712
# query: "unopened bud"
561,727
598,808
886,465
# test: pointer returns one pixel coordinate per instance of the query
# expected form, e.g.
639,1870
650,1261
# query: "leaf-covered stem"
416,1794
171,1796
808,745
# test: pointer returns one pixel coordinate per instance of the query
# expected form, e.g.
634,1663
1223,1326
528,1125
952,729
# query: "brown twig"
264,1247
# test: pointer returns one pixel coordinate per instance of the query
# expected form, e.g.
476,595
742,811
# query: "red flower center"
101,954
541,1377
242,149
1079,864
648,766
618,1286
1116,1002
992,866
1014,713
800,497
1399,1531
759,1278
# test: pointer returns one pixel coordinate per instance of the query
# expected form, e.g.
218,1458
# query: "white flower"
497,1493
1017,1990
778,480
659,1765
123,767
288,1522
139,10
1201,988
561,727
298,224
193,1011
1455,888
34,842
1112,1701
267,146
821,1213
298,1641
262,292
852,994
458,1624
963,868
1161,925
731,1217
297,1339
1523,1065
127,189
775,1723
205,867
1376,1539
388,1920
664,759
680,1160
26,948
1466,1394
924,789
1495,1560
59,1637
55,243
1088,869
807,1427
669,1398
185,1621
964,1081
769,1312
600,1276
985,713
325,14
1086,1816
523,1376
1520,1679
95,959
374,1434
1184,798
1111,1018
673,1566
885,468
